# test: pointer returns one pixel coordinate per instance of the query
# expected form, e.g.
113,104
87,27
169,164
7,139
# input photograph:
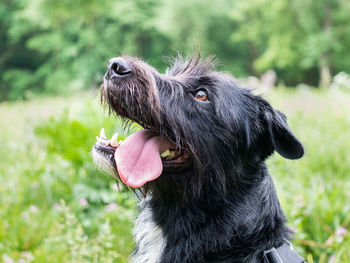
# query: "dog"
199,163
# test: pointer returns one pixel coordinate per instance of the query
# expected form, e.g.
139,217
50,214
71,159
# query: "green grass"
56,207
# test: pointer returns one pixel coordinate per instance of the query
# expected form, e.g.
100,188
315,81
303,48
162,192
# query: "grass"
56,207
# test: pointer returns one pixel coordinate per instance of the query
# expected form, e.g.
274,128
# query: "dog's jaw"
140,158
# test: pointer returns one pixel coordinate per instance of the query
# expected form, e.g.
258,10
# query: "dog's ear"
283,140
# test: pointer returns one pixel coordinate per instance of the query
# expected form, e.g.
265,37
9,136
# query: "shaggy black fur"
223,207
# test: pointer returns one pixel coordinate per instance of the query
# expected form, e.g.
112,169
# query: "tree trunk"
253,55
324,64
325,72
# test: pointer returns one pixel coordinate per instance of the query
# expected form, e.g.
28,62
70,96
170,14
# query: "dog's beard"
104,163
103,153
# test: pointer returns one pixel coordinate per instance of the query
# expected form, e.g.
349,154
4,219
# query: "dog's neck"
234,225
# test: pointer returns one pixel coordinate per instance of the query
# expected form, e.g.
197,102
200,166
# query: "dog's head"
200,127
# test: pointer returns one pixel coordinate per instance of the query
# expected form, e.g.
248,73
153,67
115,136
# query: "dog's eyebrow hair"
191,67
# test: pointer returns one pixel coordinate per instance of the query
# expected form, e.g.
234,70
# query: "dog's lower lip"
105,149
181,162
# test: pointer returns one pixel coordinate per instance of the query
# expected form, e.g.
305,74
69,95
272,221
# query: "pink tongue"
138,158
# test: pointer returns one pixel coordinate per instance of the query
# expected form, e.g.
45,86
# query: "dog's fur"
223,206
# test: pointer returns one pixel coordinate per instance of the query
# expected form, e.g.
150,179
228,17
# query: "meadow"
55,206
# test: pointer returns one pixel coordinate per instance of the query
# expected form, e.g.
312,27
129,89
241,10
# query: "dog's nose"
119,67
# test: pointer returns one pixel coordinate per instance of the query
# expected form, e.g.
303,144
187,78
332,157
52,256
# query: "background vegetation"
62,46
56,207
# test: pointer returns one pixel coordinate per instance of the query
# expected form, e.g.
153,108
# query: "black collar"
282,254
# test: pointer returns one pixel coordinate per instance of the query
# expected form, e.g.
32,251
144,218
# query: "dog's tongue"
138,158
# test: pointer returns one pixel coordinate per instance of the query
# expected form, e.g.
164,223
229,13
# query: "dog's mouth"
141,157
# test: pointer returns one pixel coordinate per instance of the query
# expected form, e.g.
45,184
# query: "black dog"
199,163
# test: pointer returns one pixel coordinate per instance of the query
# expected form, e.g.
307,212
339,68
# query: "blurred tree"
325,25
16,61
207,22
76,38
50,46
301,39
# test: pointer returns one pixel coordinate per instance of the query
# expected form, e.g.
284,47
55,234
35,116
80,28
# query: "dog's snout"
119,67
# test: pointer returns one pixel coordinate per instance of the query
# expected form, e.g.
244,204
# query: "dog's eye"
201,95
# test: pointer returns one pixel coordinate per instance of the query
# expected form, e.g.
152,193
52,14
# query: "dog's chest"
149,239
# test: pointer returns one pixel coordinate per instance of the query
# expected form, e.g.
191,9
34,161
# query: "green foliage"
17,62
207,22
69,240
295,38
54,203
56,207
314,190
74,41
60,47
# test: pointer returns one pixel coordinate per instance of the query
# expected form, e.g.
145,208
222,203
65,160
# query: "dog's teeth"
114,141
102,134
165,153
102,141
170,154
177,154
105,142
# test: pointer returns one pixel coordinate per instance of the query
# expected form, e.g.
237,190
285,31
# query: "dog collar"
283,254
